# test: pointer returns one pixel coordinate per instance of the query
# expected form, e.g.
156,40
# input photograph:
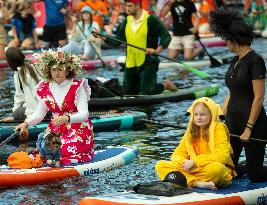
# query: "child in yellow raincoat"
204,153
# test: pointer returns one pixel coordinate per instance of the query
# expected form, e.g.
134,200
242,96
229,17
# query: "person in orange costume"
203,156
99,9
203,9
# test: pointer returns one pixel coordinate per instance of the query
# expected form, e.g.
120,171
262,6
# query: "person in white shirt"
66,97
25,80
82,42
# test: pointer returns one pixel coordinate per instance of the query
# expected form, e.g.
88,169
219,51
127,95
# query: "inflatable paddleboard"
239,193
109,122
175,96
103,161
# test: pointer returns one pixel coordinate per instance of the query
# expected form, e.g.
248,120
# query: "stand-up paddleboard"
175,96
239,193
104,160
109,122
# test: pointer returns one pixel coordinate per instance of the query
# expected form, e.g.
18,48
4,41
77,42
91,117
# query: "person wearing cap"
203,156
99,10
82,42
143,30
243,107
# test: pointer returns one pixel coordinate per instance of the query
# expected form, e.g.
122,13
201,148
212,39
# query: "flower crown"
53,59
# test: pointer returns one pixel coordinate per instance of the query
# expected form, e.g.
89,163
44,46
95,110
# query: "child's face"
58,74
86,16
202,116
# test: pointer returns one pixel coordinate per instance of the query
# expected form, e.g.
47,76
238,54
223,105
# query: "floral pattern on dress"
77,138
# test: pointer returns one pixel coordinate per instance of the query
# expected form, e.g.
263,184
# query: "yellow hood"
216,113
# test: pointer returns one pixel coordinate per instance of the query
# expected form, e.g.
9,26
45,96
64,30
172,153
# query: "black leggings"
254,152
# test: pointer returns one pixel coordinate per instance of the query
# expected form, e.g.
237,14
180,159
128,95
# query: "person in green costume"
148,32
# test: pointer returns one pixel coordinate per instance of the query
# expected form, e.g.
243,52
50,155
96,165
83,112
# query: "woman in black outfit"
243,107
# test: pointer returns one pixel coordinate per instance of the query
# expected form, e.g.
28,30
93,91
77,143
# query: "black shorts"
54,33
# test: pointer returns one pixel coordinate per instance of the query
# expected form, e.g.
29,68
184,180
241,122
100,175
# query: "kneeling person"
143,30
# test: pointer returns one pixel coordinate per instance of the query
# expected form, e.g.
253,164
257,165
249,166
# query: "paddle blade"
195,71
214,62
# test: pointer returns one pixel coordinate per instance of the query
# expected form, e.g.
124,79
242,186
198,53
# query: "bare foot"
168,85
206,185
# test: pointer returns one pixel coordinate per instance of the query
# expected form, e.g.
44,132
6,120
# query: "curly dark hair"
230,25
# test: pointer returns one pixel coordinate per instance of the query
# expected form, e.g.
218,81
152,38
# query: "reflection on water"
155,142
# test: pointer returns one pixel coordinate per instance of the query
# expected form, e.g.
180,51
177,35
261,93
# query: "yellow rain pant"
216,172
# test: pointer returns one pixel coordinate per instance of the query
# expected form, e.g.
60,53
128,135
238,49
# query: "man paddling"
143,30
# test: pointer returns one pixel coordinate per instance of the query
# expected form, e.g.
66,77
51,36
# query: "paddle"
182,127
92,115
254,139
160,123
213,61
98,55
188,67
9,138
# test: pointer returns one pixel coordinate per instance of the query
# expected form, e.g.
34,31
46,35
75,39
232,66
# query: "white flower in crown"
48,59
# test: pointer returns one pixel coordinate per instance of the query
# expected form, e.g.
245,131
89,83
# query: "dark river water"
154,142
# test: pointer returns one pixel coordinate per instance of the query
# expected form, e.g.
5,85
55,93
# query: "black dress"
239,81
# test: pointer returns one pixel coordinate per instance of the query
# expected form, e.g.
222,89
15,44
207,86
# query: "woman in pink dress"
66,97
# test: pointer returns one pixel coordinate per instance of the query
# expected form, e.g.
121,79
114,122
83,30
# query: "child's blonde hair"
196,132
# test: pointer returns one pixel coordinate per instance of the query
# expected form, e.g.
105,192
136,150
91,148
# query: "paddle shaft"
254,139
8,139
190,68
182,127
160,123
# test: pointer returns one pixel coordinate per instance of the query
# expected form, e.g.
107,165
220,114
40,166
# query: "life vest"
136,57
